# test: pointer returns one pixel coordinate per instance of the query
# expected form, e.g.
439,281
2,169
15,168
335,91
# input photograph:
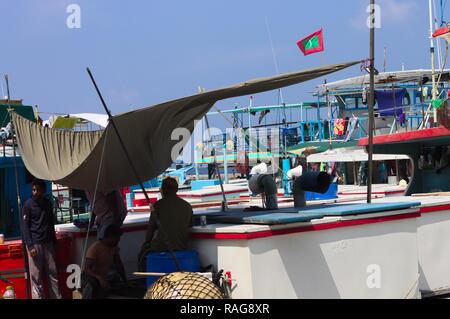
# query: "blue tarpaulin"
390,101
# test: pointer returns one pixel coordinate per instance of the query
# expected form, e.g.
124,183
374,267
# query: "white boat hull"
341,262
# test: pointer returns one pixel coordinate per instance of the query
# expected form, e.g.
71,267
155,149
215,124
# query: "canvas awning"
74,159
350,155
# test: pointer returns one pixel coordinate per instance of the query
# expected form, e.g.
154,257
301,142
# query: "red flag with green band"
312,43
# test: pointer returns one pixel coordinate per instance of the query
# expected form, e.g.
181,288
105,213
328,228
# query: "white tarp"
99,119
350,155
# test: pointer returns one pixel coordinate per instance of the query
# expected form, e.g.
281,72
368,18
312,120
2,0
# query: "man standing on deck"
108,209
175,218
40,239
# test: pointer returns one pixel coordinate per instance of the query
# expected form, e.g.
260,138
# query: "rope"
443,65
413,289
93,201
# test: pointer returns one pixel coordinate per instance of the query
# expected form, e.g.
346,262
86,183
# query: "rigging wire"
275,62
93,201
3,90
443,4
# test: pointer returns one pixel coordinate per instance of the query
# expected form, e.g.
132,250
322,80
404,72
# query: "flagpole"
371,101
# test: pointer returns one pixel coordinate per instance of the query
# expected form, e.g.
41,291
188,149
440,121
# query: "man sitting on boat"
108,209
169,224
102,263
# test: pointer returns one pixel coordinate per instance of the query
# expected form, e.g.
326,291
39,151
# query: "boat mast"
433,76
371,100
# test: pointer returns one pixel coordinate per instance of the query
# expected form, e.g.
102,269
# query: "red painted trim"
423,210
432,209
407,136
318,227
209,194
248,196
187,195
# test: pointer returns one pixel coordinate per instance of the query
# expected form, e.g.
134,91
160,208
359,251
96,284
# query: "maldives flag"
312,43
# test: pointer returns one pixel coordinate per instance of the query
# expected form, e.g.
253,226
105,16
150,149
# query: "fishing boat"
309,249
327,239
429,185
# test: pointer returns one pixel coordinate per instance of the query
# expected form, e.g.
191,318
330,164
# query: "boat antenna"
19,201
371,100
275,61
130,162
3,90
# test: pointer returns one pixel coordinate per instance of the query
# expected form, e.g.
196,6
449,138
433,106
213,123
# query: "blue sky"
146,52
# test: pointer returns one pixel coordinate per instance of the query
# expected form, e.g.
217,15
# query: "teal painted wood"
293,215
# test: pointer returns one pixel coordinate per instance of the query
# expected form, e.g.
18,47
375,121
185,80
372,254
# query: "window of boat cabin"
351,101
